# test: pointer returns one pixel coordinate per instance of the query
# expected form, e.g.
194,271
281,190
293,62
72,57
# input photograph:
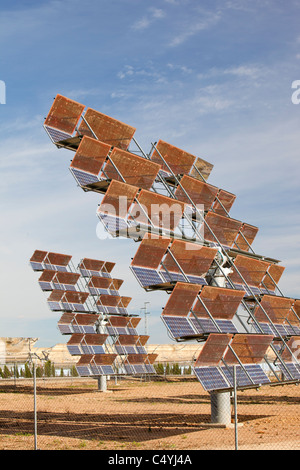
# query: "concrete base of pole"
220,408
102,383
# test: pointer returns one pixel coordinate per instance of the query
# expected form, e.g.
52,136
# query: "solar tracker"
90,157
223,228
106,129
156,210
64,114
135,170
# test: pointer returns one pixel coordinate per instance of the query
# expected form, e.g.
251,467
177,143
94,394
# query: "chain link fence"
57,410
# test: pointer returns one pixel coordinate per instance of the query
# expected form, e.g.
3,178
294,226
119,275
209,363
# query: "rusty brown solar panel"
199,192
107,129
57,259
224,228
90,155
178,160
213,350
276,308
201,169
275,272
193,259
249,348
151,251
118,199
222,303
162,211
135,170
38,256
225,201
64,114
249,232
251,269
181,299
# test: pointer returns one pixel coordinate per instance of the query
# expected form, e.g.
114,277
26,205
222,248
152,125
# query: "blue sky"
211,77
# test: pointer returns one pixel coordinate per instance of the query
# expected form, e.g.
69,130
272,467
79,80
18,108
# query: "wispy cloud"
204,20
152,15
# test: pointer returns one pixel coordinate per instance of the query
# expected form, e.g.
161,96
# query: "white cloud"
188,28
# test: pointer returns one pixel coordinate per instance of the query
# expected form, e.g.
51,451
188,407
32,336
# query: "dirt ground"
137,415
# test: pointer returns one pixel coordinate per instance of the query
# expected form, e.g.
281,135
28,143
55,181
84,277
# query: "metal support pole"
235,409
34,406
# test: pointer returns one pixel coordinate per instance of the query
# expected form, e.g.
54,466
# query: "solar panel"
224,202
156,210
251,269
178,160
249,233
201,169
199,192
194,260
64,114
90,156
211,378
275,271
83,178
151,251
106,129
178,326
224,228
135,170
118,199
147,277
56,135
36,260
275,310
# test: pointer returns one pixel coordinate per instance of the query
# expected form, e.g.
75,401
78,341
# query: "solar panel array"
221,291
102,333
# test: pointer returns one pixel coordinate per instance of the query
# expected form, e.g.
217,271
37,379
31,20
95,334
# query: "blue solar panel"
293,369
74,350
88,329
197,280
84,178
65,329
211,378
56,135
147,277
36,266
139,369
203,325
45,286
141,350
173,277
113,224
83,371
54,306
150,369
241,377
107,370
226,326
178,326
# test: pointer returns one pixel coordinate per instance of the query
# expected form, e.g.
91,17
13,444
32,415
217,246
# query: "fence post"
235,409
